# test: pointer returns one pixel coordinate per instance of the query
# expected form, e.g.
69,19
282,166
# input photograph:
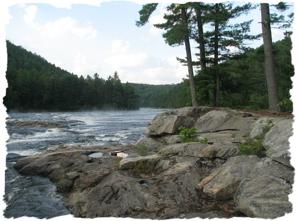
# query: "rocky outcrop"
264,193
277,141
151,144
223,182
206,178
170,122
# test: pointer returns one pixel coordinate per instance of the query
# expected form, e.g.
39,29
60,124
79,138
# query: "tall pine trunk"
189,57
201,37
269,58
216,59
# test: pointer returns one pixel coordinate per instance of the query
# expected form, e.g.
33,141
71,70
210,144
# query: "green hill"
35,84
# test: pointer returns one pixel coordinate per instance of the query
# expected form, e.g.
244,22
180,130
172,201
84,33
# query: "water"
29,134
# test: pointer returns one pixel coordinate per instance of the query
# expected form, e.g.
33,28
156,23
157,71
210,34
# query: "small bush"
286,105
142,149
188,134
253,147
203,140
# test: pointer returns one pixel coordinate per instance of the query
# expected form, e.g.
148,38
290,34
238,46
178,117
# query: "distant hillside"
35,84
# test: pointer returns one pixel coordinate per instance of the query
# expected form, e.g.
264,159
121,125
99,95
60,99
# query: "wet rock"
223,182
35,123
276,141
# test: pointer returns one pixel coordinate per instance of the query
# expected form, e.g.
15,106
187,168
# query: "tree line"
243,83
220,37
35,84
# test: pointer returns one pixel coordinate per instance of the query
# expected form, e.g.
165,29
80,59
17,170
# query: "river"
31,133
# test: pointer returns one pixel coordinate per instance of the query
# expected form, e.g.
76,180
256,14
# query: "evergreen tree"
269,58
224,39
177,32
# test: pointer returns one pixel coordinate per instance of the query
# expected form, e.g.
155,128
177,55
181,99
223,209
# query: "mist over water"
31,133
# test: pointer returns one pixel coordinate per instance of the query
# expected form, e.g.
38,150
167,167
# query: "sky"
85,39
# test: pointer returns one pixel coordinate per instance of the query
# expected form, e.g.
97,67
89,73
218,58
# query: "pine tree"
225,40
177,32
269,58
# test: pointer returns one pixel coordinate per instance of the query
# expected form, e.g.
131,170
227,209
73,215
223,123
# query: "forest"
243,83
227,72
35,84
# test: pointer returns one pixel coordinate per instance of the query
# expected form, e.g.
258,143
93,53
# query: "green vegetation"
243,86
231,73
203,140
253,147
188,134
35,84
142,149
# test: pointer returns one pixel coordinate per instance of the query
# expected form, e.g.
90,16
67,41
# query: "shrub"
253,147
286,105
188,134
203,140
142,149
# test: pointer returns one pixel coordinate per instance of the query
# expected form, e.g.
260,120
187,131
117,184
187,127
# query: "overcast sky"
103,39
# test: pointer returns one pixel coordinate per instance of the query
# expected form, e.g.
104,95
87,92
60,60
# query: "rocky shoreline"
163,177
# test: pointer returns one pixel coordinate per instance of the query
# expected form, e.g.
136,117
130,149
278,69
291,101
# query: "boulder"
165,123
264,193
118,196
223,182
267,166
212,120
193,112
169,122
276,141
143,164
172,139
264,197
151,144
238,122
220,150
262,126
